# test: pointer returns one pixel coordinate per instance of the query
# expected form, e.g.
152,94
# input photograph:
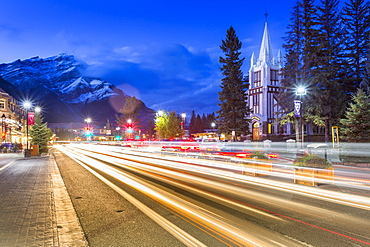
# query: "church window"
257,78
256,101
274,77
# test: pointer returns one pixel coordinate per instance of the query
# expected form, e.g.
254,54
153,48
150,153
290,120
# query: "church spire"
265,55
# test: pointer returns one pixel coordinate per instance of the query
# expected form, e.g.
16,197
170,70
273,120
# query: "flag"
297,108
31,118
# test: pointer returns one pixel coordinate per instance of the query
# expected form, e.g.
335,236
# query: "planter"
312,176
265,168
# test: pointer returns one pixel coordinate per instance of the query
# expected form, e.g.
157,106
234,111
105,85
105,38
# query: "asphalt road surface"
126,198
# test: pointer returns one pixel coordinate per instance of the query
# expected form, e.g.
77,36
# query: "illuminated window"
2,104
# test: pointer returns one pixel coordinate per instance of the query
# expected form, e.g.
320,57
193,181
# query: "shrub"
312,161
259,155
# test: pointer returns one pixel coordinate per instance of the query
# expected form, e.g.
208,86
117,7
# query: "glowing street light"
37,109
27,105
301,91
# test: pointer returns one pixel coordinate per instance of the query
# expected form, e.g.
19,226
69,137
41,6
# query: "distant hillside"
57,84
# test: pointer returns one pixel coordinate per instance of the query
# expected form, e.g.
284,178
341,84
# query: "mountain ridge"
58,84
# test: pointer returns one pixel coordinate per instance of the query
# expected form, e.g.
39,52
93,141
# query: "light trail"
212,168
161,167
179,205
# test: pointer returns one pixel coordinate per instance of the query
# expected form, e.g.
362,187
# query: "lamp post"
88,121
27,105
183,116
298,110
129,128
3,132
37,109
118,134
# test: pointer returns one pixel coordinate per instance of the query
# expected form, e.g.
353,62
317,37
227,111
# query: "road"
129,198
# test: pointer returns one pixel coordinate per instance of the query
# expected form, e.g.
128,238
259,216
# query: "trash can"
34,150
27,153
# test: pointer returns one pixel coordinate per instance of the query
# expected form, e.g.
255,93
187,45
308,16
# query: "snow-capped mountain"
58,84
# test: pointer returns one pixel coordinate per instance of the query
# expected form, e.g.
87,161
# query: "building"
13,119
265,75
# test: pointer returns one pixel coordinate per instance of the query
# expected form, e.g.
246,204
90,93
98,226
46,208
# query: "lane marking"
181,235
4,167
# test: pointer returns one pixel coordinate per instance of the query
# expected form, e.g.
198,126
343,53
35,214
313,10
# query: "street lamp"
183,115
298,109
27,105
88,130
37,109
129,128
3,130
118,134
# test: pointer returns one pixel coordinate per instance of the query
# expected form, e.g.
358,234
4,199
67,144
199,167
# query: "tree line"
327,52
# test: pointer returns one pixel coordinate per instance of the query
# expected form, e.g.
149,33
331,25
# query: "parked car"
211,145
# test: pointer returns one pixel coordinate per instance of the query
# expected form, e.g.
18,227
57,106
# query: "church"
265,75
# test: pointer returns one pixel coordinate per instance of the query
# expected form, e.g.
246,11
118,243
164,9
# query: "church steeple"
265,55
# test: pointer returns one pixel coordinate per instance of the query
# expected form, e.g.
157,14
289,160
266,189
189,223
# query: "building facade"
265,75
13,120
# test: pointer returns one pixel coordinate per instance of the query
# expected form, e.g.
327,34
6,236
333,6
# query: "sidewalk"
35,208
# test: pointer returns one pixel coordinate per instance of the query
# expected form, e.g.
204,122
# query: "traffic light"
3,134
6,128
129,128
88,131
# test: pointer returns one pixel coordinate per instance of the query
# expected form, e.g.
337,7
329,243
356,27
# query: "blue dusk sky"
162,52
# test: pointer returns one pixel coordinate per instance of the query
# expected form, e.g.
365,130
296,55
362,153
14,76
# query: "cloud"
171,77
10,33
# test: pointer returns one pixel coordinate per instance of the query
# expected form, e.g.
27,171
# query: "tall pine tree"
233,112
356,20
300,45
326,99
356,124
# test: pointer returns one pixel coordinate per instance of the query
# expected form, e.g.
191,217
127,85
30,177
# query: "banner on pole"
31,118
297,108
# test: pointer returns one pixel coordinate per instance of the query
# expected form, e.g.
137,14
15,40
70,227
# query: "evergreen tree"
326,100
356,124
209,120
356,21
233,112
198,126
40,134
192,129
366,80
300,45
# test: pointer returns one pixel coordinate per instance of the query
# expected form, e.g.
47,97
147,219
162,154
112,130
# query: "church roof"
266,48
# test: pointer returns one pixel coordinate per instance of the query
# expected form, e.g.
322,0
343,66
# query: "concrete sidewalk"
35,208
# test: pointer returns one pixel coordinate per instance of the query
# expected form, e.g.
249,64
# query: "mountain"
59,86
